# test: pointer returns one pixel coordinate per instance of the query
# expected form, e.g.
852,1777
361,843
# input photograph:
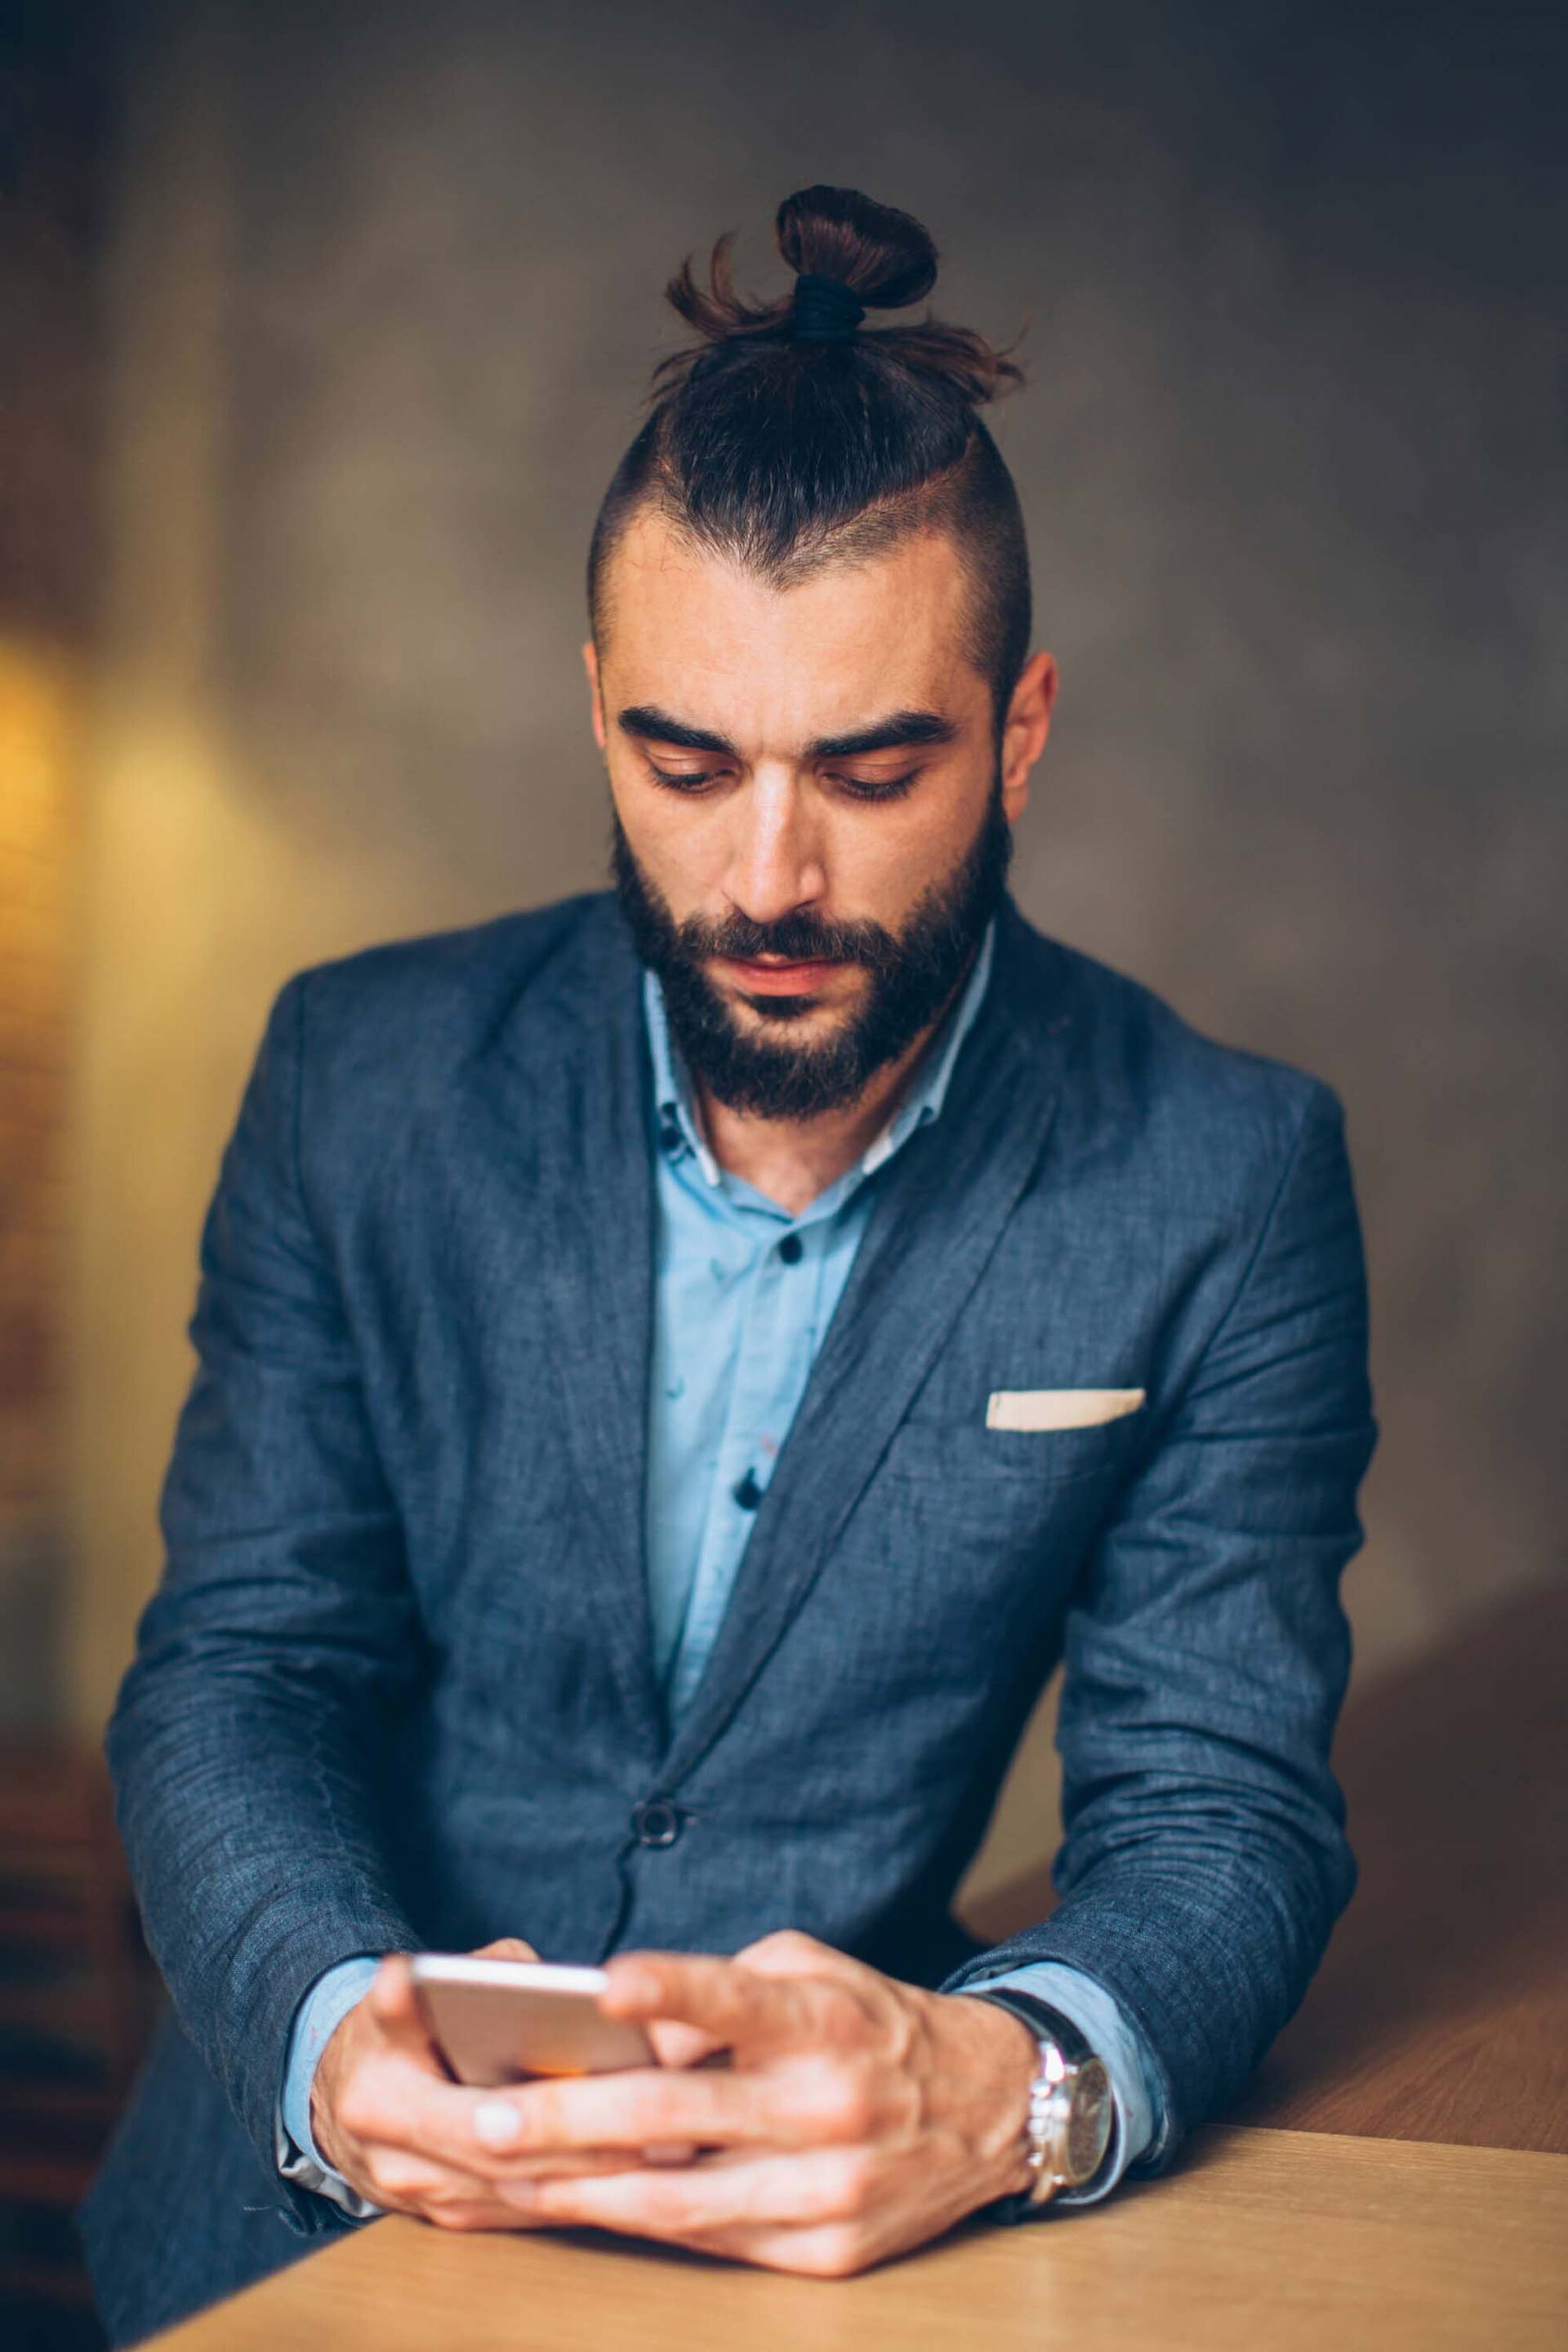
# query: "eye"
887,788
857,788
677,781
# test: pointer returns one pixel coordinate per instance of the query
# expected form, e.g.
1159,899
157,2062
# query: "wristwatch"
1071,2115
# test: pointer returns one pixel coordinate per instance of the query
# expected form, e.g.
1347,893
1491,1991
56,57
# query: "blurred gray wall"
387,292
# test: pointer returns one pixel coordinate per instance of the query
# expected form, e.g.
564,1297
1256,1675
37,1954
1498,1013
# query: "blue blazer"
396,1686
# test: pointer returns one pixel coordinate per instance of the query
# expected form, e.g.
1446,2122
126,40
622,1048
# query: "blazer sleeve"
1203,1859
242,1745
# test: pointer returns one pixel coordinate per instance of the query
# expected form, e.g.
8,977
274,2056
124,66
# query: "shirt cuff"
316,2020
1116,2041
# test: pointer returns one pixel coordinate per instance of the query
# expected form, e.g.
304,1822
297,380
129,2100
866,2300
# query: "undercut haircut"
789,454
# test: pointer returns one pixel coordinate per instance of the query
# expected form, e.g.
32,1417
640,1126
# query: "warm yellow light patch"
38,747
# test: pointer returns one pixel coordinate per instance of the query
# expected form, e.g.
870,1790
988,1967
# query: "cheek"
882,861
679,848
901,862
689,869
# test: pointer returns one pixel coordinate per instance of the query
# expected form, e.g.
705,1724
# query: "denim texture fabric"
737,1325
396,1688
736,1331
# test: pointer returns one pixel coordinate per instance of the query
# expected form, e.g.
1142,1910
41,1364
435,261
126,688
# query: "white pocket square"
1057,1408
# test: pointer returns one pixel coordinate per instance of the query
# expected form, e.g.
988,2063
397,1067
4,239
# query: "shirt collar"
922,1101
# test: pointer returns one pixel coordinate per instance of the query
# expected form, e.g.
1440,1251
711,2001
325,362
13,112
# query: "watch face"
1089,2119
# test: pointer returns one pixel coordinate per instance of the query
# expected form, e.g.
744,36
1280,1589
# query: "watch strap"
1047,2024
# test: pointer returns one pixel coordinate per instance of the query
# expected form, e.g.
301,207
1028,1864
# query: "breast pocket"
964,1453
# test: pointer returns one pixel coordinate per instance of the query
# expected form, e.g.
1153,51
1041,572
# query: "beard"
914,973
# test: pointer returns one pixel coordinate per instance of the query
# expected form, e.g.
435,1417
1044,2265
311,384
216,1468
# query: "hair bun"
882,255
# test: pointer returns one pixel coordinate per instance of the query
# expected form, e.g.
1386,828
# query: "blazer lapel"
948,1195
571,1081
567,1087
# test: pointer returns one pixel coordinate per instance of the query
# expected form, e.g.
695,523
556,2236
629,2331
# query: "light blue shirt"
744,1295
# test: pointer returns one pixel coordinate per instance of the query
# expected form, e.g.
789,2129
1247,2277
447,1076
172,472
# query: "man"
677,1370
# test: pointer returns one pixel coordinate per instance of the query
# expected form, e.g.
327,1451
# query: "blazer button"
655,1821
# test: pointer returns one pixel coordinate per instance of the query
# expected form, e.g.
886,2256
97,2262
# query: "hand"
859,2117
386,2114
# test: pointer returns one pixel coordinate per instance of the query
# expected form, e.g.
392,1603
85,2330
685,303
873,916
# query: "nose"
775,863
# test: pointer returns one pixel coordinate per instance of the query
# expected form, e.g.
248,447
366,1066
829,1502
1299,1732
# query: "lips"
779,978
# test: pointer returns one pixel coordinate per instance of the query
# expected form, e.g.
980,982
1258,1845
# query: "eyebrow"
649,724
899,731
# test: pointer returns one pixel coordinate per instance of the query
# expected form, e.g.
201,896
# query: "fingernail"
524,2194
498,2123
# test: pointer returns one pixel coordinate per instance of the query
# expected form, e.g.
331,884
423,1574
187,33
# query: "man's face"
811,816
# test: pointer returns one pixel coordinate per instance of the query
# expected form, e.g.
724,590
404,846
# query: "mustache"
797,937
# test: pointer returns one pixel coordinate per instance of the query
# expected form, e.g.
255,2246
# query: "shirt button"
791,1248
669,1135
655,1821
747,1492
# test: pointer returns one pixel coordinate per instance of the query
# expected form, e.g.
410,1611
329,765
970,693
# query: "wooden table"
1399,2180
1276,2240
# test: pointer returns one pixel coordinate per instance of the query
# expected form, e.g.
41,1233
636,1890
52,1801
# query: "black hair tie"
823,311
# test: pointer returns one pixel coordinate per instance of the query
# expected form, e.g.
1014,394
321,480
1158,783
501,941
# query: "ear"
1028,725
590,663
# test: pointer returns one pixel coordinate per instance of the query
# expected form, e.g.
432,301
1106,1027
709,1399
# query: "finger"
790,1952
639,2107
397,2130
812,2249
730,2001
506,1947
393,2105
453,2180
394,2003
454,2200
409,2181
682,2045
822,2185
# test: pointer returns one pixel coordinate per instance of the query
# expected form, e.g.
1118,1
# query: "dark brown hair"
791,454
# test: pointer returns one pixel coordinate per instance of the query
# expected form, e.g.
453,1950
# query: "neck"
792,1160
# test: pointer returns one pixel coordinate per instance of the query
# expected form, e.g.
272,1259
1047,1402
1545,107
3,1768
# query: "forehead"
701,636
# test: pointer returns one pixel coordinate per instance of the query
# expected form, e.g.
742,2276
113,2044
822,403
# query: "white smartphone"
499,2021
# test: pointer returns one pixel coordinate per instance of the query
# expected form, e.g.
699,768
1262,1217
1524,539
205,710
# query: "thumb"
393,2004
